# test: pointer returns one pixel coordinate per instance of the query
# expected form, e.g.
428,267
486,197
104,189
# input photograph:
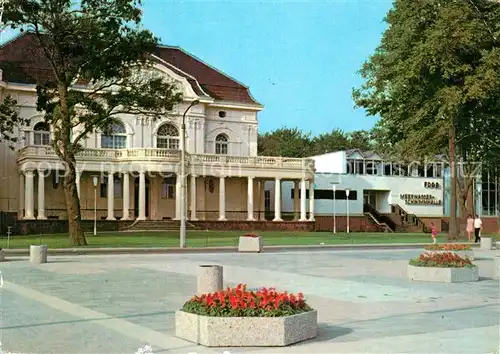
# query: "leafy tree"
287,142
336,140
361,139
100,44
9,121
435,82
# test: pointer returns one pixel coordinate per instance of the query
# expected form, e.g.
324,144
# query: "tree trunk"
76,234
452,233
66,153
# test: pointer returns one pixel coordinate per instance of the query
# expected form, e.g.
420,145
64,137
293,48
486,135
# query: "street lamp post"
334,187
94,181
183,177
347,195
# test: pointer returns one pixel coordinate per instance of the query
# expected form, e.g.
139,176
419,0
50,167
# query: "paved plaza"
117,304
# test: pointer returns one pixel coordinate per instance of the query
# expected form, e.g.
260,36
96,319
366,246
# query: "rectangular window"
41,138
292,193
267,200
221,149
113,141
117,187
168,188
360,167
322,194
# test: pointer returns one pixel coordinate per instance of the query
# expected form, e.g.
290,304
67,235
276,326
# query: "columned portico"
222,198
126,196
193,198
178,196
250,199
28,195
111,196
303,200
142,196
77,179
41,195
277,200
311,200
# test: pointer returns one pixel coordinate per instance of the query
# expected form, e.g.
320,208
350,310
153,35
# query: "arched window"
221,143
115,137
167,137
41,134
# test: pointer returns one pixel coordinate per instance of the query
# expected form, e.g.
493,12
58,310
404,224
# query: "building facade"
365,186
136,163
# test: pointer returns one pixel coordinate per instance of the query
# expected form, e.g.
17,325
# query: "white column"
303,200
222,199
250,199
178,197
41,195
126,196
111,196
193,198
142,196
296,200
77,179
277,200
21,196
28,195
311,200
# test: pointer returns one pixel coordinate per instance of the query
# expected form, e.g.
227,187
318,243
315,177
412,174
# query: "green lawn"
215,238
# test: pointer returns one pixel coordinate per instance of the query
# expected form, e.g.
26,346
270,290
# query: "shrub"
448,247
441,260
239,302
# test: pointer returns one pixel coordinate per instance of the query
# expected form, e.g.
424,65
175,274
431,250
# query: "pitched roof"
22,61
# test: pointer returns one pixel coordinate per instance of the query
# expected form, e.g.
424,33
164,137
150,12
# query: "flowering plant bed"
445,267
463,251
448,247
441,260
250,242
237,317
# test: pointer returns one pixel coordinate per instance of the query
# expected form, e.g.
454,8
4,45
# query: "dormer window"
115,137
41,134
167,137
221,144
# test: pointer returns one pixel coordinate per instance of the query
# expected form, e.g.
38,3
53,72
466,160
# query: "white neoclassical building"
136,163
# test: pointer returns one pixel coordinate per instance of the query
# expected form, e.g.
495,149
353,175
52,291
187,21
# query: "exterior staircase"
157,225
407,222
382,220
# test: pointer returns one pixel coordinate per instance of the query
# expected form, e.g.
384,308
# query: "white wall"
388,190
333,162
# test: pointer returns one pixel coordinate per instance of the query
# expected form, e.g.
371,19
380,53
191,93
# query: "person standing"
434,232
470,226
478,224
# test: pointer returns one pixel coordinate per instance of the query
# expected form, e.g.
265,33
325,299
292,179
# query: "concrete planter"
210,279
250,244
38,254
486,243
246,331
443,275
462,254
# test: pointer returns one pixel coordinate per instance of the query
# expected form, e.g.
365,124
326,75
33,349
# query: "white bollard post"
210,279
38,254
486,243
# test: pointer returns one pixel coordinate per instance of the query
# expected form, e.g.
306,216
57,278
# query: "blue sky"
299,58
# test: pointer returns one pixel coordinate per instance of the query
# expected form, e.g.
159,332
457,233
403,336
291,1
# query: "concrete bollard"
496,273
2,255
210,279
38,254
486,243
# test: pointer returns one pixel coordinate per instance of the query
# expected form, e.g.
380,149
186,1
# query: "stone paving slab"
118,303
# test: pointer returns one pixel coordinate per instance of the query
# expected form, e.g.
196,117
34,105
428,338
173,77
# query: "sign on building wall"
420,199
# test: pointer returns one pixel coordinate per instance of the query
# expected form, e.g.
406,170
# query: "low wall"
237,225
357,223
